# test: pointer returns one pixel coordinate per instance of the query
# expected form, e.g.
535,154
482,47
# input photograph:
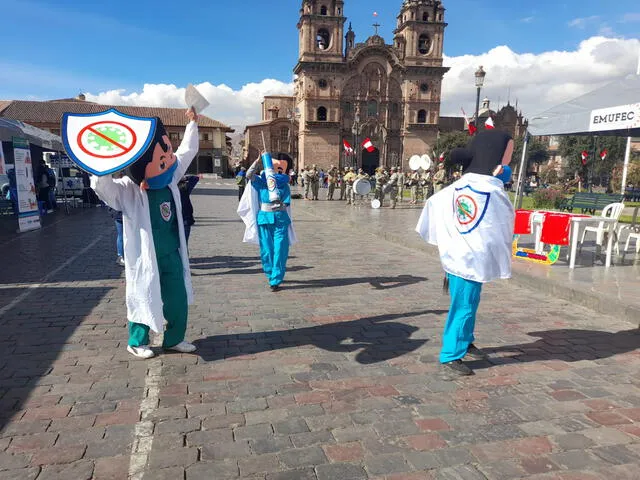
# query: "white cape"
471,222
248,211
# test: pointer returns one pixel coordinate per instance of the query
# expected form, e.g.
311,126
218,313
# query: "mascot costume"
158,278
471,222
265,209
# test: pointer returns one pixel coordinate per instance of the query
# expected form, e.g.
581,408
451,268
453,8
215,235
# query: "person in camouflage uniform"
392,187
342,184
361,174
381,180
414,180
332,180
306,179
402,180
439,178
314,178
348,179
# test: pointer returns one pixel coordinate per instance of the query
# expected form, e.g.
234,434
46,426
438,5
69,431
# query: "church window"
322,114
395,108
323,10
424,43
323,38
347,107
372,108
422,116
425,17
322,83
284,135
424,88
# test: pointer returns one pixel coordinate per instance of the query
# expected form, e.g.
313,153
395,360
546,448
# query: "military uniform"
332,180
343,185
392,187
402,180
348,179
414,180
381,180
439,179
361,175
314,179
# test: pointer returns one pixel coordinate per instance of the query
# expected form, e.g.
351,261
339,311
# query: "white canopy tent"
610,110
13,128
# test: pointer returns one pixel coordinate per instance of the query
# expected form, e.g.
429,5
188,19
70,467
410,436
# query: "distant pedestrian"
117,218
241,181
186,186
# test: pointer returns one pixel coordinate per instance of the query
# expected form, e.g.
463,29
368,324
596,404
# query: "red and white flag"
347,148
584,156
489,125
441,157
368,145
470,126
603,154
375,14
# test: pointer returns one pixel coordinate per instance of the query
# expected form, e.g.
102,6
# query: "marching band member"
156,258
265,209
474,238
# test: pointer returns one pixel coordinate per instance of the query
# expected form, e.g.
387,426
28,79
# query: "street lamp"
480,74
355,131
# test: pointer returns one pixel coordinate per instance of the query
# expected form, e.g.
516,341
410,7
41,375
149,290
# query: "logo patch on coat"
469,208
165,211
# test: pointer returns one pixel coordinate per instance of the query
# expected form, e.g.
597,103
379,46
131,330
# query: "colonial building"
351,91
507,118
213,156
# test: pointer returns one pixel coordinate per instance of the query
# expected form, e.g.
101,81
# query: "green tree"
447,142
600,171
537,153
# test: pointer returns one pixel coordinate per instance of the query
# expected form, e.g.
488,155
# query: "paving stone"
617,455
9,461
58,454
82,470
386,464
307,439
303,457
291,426
340,471
301,474
576,460
264,430
258,464
182,457
21,474
112,468
460,472
572,441
223,470
185,425
171,473
271,445
222,451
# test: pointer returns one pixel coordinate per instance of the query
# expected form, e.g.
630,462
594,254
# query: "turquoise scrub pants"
458,332
274,251
175,306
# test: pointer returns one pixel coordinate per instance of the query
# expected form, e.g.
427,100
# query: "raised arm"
190,145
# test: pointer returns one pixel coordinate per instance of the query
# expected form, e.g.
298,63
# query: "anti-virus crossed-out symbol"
107,138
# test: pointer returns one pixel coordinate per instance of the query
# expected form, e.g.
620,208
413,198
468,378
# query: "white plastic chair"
633,236
633,227
613,210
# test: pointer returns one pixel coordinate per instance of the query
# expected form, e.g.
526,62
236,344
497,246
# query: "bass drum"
375,204
362,186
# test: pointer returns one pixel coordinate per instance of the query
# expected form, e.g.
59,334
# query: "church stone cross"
376,26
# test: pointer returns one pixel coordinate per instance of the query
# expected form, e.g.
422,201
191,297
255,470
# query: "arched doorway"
370,161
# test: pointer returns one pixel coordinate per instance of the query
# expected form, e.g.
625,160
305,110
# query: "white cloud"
630,18
537,81
582,22
232,107
527,19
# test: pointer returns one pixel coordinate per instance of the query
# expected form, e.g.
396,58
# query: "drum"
362,186
375,204
415,163
426,162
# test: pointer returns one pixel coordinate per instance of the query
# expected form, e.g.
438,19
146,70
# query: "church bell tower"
321,30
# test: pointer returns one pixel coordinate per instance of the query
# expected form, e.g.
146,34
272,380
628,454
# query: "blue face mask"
505,176
162,180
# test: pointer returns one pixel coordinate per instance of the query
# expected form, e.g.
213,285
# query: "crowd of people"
390,183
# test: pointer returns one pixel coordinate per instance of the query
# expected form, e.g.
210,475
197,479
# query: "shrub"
547,198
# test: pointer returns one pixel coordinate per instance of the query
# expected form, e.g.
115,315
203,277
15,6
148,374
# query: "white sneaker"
142,351
183,347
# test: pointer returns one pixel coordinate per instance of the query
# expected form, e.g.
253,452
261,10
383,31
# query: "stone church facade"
351,91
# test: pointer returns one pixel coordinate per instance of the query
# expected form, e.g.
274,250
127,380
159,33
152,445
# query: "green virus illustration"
114,137
465,210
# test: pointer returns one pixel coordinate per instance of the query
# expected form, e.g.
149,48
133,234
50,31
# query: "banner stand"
28,211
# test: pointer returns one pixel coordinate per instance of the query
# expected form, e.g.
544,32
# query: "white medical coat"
143,299
471,222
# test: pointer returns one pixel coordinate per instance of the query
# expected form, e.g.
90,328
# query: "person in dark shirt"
186,186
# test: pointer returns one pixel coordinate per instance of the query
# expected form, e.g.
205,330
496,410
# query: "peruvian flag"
375,14
603,154
470,126
347,148
489,125
584,156
368,145
441,157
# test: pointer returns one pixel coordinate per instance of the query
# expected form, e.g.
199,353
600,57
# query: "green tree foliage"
447,142
537,153
571,148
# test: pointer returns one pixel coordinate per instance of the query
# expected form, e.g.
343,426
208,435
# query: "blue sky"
61,47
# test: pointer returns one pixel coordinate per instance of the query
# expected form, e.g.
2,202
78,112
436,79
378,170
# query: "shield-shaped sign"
469,208
106,142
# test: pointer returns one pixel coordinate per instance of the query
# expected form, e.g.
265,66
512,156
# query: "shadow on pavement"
224,262
35,333
379,283
243,270
568,345
378,338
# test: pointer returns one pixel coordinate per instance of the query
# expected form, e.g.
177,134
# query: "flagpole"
523,167
627,153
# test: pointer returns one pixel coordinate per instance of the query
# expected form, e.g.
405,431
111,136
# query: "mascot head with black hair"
155,168
488,153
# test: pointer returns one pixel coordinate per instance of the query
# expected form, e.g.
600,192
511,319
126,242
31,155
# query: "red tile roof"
51,112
